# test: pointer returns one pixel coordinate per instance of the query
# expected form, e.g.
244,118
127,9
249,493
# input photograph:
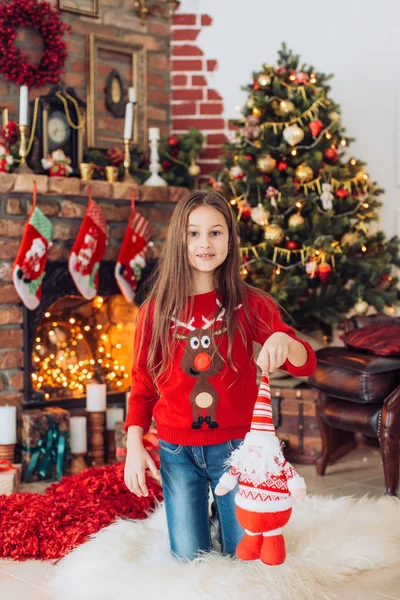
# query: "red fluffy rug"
48,526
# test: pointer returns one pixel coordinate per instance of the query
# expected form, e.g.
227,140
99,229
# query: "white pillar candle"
132,95
114,415
23,105
154,133
78,435
8,425
128,129
127,401
96,397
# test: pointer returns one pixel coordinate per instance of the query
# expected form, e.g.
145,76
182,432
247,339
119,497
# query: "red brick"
160,216
158,97
10,315
11,338
159,62
156,80
187,65
206,20
15,399
212,65
11,359
9,228
157,114
199,80
8,293
158,28
78,66
184,19
9,249
187,94
186,50
185,35
179,80
17,381
71,210
216,138
188,108
58,252
211,109
211,153
213,95
202,124
64,231
5,271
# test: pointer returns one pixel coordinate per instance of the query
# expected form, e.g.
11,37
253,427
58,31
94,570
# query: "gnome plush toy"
267,483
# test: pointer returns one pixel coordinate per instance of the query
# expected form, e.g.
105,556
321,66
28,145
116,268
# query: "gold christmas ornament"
296,221
361,307
250,103
273,233
304,173
266,163
293,135
349,239
263,80
285,107
334,116
194,170
260,215
256,112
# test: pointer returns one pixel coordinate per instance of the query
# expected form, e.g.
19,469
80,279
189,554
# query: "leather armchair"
358,392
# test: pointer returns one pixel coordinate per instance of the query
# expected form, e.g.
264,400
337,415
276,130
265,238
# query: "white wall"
356,40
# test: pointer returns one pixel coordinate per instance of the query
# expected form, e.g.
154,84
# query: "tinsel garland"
46,20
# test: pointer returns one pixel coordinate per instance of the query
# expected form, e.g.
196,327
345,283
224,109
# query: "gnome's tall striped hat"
262,425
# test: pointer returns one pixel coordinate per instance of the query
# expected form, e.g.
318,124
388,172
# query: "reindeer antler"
207,322
178,323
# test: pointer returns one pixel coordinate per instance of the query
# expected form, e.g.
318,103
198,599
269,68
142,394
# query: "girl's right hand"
137,461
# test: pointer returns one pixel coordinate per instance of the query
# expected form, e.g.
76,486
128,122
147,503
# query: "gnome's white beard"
256,461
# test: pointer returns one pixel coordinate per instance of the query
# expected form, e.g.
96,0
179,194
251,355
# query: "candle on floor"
114,415
8,425
96,397
23,105
78,435
128,129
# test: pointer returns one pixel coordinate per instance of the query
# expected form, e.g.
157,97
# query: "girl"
194,369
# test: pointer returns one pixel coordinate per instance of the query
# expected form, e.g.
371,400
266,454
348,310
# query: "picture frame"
3,116
107,55
86,8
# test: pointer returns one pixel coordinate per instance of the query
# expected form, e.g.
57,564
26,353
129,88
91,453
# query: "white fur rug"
327,541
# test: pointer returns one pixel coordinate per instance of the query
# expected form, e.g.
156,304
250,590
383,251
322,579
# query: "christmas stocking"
132,255
88,250
28,269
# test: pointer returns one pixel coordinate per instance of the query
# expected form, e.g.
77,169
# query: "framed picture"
87,8
3,116
115,66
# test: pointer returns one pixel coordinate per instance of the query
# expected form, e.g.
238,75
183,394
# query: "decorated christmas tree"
304,205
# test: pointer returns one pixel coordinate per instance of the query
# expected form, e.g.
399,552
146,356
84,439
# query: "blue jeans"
187,474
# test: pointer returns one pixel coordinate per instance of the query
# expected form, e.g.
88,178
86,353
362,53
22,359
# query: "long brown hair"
170,284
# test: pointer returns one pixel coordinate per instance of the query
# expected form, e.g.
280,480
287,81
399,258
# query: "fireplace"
70,341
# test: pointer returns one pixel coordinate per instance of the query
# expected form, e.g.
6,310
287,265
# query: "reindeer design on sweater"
201,360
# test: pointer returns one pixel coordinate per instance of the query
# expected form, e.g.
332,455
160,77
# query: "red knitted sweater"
203,400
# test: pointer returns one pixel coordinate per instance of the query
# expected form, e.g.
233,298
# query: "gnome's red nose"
202,361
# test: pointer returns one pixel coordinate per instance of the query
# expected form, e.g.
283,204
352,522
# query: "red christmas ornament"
281,70
324,272
173,141
249,157
342,193
256,85
246,213
302,78
43,17
282,165
267,179
331,154
292,245
166,165
315,127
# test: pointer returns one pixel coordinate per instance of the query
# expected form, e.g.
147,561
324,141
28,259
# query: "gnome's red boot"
273,551
249,547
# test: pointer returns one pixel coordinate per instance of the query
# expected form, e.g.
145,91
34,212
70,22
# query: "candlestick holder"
78,463
7,452
23,151
154,180
127,161
96,437
110,437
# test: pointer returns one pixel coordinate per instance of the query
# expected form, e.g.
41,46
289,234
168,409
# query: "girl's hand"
299,495
137,460
221,490
274,352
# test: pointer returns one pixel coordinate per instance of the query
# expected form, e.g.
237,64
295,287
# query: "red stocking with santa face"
132,255
28,269
88,250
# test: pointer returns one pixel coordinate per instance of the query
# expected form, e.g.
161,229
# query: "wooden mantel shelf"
72,186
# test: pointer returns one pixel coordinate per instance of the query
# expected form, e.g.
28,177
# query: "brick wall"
194,102
116,20
65,206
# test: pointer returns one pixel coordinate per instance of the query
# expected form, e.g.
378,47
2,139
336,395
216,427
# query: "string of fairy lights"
70,352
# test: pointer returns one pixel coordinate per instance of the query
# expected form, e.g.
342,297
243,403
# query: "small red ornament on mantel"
331,154
315,127
173,141
342,193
